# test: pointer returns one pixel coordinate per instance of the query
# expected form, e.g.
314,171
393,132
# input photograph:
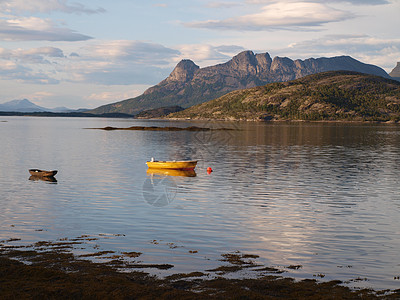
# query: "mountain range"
26,106
188,84
334,95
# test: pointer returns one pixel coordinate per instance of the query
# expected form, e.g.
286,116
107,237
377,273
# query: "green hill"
336,95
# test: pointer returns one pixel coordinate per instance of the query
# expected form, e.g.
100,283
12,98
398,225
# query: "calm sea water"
323,196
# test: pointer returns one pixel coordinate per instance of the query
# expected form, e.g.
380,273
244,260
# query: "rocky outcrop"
395,74
188,84
183,72
181,75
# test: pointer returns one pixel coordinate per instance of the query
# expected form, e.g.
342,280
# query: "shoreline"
165,118
279,121
49,270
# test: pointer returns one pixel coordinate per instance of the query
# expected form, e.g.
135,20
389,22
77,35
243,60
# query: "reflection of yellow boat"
172,172
176,165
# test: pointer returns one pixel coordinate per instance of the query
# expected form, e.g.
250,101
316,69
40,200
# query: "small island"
156,128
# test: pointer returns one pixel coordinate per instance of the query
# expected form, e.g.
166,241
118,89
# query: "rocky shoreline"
49,270
272,121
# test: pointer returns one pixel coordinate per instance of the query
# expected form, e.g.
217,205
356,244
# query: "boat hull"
43,178
42,173
175,165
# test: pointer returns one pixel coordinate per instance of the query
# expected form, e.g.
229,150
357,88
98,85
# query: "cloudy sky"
86,53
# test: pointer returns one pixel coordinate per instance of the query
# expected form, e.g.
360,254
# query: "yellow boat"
174,164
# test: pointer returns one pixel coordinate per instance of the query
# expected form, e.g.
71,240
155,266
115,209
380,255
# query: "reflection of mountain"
310,194
304,134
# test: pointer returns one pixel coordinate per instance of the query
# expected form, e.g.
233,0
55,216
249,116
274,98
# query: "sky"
87,53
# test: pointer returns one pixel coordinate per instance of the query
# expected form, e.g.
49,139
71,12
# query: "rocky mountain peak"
396,71
245,57
263,61
183,71
244,62
282,63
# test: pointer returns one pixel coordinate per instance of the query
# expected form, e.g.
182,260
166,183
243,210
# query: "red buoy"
209,170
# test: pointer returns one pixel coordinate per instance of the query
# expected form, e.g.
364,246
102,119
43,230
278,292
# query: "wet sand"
48,270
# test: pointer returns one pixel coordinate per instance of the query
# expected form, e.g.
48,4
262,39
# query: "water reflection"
161,185
317,195
314,134
171,172
159,190
50,179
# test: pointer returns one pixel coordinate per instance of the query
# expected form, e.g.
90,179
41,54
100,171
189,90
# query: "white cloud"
36,29
101,95
160,5
282,15
122,74
45,6
45,51
106,62
206,55
361,2
7,66
121,63
132,51
35,65
38,96
100,62
355,2
352,43
16,72
112,96
34,55
223,4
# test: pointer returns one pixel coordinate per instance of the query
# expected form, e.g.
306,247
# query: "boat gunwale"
173,165
43,173
172,161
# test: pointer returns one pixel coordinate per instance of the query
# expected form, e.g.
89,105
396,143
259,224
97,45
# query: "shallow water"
323,196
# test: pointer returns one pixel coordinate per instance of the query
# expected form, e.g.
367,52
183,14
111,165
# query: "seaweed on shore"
52,274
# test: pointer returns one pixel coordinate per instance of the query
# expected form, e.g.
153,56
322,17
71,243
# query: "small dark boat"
42,173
